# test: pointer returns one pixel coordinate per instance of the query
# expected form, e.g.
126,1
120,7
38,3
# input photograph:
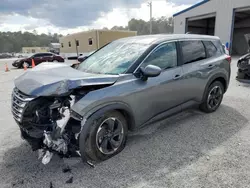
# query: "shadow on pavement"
152,153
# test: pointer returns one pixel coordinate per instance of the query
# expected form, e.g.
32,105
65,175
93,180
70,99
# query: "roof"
152,39
192,7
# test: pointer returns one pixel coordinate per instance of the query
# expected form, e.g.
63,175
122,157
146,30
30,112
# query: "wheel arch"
88,119
120,107
218,77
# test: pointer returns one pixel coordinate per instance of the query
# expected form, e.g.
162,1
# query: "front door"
48,57
38,58
162,93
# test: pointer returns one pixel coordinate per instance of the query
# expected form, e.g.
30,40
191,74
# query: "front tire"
213,97
105,137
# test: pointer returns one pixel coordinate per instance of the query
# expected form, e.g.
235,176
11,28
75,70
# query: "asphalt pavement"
189,150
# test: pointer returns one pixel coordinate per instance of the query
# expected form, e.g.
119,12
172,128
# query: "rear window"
219,46
211,49
192,51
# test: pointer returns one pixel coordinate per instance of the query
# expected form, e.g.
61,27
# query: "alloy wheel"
214,97
109,136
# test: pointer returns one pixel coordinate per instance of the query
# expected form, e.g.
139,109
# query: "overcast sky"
67,16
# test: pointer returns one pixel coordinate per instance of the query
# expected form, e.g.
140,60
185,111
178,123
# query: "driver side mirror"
82,58
150,71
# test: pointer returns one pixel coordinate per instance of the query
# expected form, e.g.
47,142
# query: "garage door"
202,17
203,24
241,31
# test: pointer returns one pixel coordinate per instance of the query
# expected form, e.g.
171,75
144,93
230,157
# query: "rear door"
48,57
195,67
200,60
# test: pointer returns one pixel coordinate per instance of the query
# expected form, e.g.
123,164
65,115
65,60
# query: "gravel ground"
189,150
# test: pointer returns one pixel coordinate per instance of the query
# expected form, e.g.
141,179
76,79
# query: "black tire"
88,139
204,106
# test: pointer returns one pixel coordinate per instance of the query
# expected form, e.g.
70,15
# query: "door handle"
211,66
176,77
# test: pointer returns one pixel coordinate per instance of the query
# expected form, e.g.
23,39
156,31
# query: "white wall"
224,16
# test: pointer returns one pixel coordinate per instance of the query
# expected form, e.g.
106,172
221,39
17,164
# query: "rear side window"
192,51
219,46
211,49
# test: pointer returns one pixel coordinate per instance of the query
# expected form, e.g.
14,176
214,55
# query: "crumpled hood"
48,79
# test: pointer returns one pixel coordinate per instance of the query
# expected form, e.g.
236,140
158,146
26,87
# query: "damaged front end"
46,123
41,105
244,67
244,63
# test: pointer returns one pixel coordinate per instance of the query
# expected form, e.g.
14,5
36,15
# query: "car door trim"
160,44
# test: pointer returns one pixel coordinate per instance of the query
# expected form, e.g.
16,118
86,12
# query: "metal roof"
192,7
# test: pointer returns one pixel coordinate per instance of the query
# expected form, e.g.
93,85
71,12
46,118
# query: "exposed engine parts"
244,67
45,125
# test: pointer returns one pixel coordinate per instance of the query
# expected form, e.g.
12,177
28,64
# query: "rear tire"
101,142
213,97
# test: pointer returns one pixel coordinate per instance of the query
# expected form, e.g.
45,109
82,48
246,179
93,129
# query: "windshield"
115,58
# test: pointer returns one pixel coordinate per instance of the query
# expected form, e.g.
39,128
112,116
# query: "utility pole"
150,7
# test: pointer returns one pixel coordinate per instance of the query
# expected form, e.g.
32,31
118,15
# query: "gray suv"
123,86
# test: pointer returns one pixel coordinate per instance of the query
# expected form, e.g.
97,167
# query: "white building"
228,19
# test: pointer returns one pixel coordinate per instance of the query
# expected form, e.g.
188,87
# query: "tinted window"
211,49
47,54
192,51
219,46
164,56
39,55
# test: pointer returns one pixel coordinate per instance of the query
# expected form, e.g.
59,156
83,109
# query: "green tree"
14,41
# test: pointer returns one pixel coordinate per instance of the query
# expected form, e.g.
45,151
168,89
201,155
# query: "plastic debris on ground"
66,169
47,157
70,180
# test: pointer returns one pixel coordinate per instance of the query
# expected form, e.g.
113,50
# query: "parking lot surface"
189,150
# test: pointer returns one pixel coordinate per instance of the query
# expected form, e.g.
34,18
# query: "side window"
164,56
42,55
211,49
48,54
219,46
38,55
192,51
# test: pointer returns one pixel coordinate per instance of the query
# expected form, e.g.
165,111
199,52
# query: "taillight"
229,59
